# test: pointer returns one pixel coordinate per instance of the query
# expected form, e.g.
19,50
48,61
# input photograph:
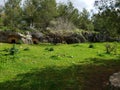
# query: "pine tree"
12,12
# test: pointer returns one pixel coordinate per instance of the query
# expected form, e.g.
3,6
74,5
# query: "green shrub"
6,49
26,49
49,49
91,46
111,48
13,50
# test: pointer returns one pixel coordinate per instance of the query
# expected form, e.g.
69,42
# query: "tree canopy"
43,14
108,16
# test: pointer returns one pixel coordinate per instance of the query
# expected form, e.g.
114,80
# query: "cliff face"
53,37
9,37
16,37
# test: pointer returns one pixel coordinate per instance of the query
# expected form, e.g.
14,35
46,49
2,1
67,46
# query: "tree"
107,20
47,13
38,13
84,21
117,4
80,19
67,11
12,11
1,15
29,11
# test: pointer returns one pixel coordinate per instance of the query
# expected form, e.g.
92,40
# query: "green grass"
57,67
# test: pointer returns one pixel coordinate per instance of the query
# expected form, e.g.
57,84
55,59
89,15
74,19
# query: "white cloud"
80,4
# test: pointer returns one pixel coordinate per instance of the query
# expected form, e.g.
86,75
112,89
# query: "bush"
49,49
91,46
13,50
6,49
111,48
26,49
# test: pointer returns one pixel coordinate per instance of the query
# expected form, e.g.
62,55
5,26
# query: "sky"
79,4
1,2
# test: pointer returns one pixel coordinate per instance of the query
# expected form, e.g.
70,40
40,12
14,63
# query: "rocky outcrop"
54,37
37,37
70,37
9,37
15,37
75,38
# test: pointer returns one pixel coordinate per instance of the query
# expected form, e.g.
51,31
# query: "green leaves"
13,50
106,21
39,13
80,19
12,12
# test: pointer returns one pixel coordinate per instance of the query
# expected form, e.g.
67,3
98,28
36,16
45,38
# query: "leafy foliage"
45,15
80,20
13,50
107,19
111,48
50,49
12,12
91,46
38,14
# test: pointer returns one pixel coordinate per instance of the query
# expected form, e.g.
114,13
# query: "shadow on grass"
76,77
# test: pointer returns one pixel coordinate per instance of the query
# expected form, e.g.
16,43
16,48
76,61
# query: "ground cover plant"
57,67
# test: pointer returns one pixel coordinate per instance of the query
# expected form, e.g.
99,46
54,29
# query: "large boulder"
115,81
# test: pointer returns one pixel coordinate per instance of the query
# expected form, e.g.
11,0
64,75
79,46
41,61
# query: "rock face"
15,37
54,37
37,37
28,38
70,37
9,37
74,38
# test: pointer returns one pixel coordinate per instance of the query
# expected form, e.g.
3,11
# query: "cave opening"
13,41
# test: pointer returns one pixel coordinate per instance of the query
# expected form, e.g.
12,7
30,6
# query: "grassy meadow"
57,67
